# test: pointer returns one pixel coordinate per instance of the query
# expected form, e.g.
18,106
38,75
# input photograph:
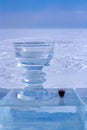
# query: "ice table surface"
9,98
53,114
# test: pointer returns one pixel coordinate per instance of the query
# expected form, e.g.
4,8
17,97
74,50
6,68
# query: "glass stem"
33,79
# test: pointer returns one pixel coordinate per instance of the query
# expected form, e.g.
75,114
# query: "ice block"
56,113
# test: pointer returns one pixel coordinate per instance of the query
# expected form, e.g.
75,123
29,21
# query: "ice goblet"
33,56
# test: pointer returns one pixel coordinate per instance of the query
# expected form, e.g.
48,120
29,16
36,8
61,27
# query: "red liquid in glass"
61,92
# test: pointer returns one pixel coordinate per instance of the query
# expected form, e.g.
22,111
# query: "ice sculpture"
33,56
36,108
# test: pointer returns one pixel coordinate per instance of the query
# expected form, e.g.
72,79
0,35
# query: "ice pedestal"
53,114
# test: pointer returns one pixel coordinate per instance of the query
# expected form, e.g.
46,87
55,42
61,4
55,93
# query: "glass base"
35,94
57,113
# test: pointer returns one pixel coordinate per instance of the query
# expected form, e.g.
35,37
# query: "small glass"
33,56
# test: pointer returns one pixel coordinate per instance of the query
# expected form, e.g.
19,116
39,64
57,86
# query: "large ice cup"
33,56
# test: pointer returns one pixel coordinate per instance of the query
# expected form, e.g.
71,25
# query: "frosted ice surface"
68,67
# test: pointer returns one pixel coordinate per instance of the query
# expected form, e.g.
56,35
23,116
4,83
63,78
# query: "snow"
68,68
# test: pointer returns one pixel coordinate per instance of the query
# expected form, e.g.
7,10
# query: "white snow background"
68,68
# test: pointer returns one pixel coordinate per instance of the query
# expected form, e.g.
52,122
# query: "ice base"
82,93
53,114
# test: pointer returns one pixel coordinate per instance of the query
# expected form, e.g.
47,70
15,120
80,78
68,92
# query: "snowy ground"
68,67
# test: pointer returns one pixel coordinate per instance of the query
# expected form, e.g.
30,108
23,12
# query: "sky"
43,13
